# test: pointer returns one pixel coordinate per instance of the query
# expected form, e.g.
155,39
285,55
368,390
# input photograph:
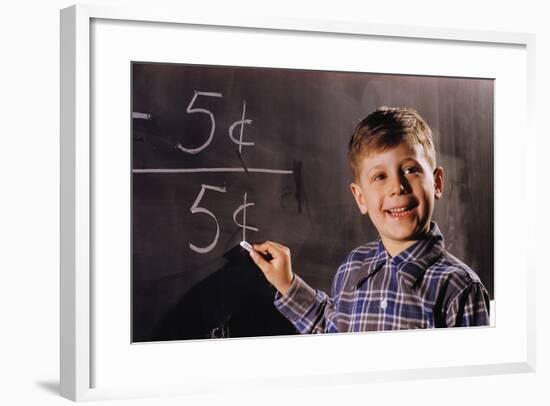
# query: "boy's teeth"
400,209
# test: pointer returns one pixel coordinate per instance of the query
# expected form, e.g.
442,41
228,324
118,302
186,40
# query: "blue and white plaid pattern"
422,287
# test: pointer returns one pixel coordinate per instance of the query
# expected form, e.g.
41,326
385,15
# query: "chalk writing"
242,208
195,209
240,122
204,111
237,139
199,170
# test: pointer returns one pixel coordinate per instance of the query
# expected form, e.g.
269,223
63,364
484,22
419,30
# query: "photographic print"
227,160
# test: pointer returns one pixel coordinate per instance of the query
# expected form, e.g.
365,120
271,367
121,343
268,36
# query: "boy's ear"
357,193
438,182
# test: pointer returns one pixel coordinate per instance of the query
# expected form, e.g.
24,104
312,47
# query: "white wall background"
29,202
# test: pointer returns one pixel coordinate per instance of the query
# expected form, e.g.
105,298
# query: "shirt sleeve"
303,306
469,308
309,310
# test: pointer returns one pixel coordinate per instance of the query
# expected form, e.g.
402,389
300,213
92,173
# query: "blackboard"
216,149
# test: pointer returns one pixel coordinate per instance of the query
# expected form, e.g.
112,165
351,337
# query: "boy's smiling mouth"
400,211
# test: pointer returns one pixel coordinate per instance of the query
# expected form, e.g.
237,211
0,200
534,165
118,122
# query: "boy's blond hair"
386,128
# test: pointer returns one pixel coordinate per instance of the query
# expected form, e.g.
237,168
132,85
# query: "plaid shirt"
422,287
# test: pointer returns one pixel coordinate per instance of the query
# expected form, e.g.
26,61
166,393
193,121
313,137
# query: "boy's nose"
398,186
397,189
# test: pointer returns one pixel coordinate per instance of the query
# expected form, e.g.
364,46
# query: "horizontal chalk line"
199,170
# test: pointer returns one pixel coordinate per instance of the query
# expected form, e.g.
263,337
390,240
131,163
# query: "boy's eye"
378,176
411,169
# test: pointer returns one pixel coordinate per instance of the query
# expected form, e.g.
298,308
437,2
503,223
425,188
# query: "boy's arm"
469,308
310,310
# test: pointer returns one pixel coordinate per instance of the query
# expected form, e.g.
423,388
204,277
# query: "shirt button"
384,304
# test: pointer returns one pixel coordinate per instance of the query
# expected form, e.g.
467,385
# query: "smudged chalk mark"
299,194
240,155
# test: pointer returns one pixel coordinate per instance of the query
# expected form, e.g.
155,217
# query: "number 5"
195,208
204,111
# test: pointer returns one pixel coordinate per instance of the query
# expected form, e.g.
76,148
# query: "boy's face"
397,189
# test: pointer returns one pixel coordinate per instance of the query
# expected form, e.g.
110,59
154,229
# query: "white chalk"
142,116
246,246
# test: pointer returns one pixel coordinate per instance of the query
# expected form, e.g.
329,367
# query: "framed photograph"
183,136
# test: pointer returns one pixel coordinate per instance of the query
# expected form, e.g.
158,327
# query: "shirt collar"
413,261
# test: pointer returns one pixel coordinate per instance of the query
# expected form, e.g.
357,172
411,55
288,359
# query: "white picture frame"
79,284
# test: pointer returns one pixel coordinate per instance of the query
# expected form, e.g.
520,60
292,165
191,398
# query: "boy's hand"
278,271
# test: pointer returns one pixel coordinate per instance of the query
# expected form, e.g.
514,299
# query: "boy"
404,280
